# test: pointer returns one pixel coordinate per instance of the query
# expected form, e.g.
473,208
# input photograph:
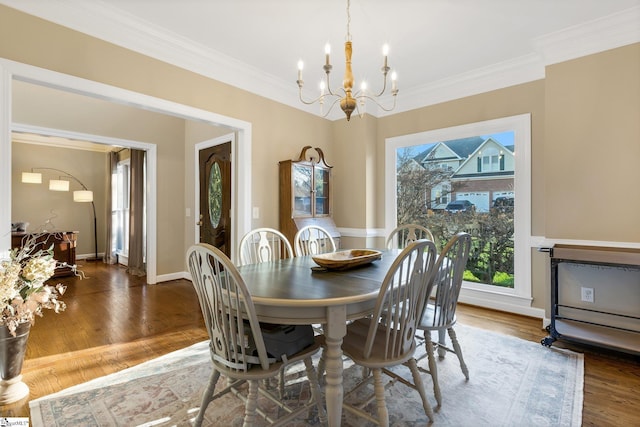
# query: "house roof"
462,148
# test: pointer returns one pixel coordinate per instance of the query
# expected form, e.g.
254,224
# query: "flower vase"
12,350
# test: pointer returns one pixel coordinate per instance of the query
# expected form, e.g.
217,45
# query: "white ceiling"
441,49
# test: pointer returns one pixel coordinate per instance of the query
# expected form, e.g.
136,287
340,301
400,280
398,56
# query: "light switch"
256,212
188,212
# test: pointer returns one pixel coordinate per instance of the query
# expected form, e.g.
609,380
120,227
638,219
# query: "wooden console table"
64,247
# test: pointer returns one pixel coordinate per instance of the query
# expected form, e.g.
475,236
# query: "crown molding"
509,73
609,32
103,21
616,30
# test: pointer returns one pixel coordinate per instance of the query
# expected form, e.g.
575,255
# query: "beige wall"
49,108
581,107
279,132
592,153
56,210
354,192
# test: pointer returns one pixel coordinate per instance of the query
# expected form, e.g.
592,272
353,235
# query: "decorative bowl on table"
343,260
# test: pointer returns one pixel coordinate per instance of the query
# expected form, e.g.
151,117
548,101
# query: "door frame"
10,70
231,137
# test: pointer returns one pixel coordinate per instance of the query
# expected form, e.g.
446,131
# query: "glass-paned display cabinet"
305,194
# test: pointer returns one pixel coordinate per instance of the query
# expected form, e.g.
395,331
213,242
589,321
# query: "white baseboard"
173,276
89,256
501,302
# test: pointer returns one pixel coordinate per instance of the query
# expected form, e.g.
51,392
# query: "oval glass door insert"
215,195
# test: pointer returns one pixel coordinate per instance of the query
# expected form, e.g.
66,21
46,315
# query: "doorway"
215,196
241,149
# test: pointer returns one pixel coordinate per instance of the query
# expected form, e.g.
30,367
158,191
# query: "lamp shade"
83,196
32,177
58,185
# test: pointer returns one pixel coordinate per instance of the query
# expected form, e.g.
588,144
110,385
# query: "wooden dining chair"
402,235
313,240
439,313
263,245
231,322
387,338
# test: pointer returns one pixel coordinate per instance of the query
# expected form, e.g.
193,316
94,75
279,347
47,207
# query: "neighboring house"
481,171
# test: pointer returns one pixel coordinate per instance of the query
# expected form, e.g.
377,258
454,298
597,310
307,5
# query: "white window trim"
124,252
516,300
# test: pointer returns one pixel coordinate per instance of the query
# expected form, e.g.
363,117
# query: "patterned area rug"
512,383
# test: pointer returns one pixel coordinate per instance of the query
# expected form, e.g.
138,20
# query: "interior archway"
12,71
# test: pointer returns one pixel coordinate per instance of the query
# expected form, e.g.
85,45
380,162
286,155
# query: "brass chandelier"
351,100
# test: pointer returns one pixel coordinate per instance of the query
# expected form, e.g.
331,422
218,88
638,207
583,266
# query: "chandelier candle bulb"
385,53
327,52
300,68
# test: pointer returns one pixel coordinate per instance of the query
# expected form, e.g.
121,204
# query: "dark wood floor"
114,321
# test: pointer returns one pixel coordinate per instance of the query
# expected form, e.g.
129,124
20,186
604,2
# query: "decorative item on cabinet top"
305,194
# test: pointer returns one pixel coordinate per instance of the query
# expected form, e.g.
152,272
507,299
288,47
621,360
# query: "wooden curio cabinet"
305,194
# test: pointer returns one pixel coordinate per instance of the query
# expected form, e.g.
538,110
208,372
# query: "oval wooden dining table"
289,292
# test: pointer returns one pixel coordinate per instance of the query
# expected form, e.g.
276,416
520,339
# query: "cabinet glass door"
321,191
301,190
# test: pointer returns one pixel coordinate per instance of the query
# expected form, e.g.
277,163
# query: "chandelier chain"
348,21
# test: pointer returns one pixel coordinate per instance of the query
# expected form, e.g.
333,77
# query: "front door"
215,196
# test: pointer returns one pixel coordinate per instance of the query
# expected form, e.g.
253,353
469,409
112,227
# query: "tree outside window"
427,182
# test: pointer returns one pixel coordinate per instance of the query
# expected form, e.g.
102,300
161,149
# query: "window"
440,194
490,160
491,258
495,154
120,213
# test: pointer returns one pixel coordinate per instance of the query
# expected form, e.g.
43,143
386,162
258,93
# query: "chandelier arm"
357,110
385,71
313,101
384,85
331,107
318,99
329,86
375,101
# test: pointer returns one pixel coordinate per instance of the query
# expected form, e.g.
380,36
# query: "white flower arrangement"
23,293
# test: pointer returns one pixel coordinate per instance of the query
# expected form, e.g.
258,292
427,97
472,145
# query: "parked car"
503,204
460,206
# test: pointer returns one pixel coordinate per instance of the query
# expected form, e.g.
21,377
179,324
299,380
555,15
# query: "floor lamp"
81,196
